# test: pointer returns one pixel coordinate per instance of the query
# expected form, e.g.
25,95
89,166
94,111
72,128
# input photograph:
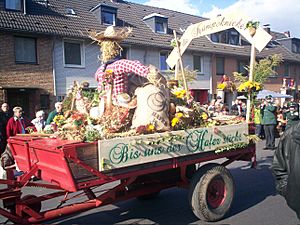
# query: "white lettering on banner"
233,20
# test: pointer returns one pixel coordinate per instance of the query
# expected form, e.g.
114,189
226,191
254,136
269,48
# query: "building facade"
44,48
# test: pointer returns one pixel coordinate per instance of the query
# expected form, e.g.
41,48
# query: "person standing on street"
57,111
269,120
4,117
292,116
286,167
258,120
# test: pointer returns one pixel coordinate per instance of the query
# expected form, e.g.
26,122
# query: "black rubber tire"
149,196
35,206
198,192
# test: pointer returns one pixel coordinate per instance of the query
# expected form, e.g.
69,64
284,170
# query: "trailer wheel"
37,206
211,192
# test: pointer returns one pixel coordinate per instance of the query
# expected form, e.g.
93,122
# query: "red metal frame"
33,164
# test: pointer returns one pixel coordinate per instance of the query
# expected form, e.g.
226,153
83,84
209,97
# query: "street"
256,202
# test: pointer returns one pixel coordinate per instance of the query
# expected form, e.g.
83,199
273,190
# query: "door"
19,97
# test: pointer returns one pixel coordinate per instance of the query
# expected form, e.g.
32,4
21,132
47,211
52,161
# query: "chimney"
287,34
24,7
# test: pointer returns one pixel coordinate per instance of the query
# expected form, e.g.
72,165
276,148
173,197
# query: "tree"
262,70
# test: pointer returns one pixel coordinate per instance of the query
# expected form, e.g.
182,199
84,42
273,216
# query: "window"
296,47
124,53
73,53
220,65
286,70
108,15
160,27
234,37
215,37
242,65
198,63
70,11
157,22
231,37
25,50
108,18
162,61
13,5
44,101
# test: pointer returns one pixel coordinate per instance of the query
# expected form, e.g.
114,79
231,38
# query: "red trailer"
68,167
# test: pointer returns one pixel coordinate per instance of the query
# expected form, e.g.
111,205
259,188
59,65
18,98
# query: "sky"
280,15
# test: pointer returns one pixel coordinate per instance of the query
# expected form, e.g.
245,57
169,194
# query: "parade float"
143,131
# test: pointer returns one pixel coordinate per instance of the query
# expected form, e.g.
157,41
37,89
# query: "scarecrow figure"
112,75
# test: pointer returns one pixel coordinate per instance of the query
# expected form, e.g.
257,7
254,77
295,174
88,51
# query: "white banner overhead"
220,23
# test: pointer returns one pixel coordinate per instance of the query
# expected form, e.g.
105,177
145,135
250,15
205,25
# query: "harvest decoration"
226,84
252,26
59,120
250,85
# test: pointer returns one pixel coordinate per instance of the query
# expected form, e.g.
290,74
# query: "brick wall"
38,76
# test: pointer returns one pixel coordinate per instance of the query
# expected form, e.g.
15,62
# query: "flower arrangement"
179,93
221,86
226,84
181,121
78,119
250,85
93,133
59,120
147,129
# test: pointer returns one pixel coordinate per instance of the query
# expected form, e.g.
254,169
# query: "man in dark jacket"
286,167
5,115
292,116
269,121
57,111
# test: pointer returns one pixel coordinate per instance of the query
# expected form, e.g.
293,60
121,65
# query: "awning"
263,93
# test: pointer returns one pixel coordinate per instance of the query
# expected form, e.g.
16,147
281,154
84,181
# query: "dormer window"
296,47
108,15
70,11
157,22
160,27
231,37
13,5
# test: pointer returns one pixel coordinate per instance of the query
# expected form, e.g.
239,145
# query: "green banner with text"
129,151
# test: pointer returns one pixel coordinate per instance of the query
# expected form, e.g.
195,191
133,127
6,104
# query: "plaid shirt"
121,69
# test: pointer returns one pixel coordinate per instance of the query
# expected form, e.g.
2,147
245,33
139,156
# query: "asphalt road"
256,202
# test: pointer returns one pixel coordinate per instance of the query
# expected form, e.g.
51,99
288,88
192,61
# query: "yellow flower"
58,119
221,86
179,115
249,85
150,128
204,116
180,93
175,120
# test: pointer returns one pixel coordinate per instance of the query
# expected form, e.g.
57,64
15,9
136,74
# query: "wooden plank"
87,152
123,152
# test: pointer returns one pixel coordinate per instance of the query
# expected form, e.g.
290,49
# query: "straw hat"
124,100
110,34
